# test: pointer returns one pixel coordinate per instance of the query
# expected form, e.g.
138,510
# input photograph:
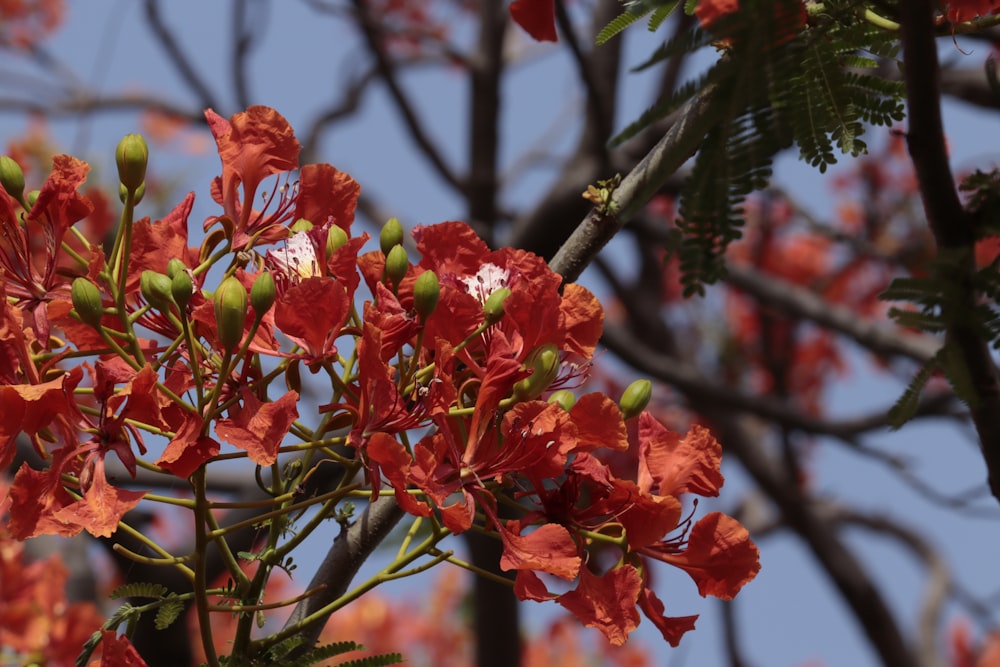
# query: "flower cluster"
449,387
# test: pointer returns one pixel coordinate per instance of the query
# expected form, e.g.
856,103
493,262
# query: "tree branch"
176,56
803,303
676,146
350,550
370,29
953,227
242,44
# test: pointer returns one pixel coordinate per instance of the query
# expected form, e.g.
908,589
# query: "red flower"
253,145
966,10
720,557
537,17
607,602
258,427
31,249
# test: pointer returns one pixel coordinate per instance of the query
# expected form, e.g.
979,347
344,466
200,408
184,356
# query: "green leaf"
140,590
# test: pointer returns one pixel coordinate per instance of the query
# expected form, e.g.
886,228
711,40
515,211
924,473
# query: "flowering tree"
444,382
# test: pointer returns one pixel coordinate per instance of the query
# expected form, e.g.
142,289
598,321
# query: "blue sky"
789,614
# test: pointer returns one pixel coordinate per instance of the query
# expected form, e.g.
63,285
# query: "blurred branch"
242,44
178,58
844,569
387,69
551,221
952,226
84,103
486,67
803,303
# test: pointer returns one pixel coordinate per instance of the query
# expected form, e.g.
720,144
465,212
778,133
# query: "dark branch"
177,56
387,70
953,227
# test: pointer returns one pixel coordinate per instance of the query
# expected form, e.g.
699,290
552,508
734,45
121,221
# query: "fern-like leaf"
140,590
168,613
906,406
375,661
617,24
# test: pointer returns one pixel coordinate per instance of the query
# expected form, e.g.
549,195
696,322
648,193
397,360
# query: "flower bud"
182,289
426,292
230,312
132,155
175,266
11,177
635,398
262,293
32,197
493,308
336,239
87,301
544,364
136,198
391,235
565,398
156,289
396,264
300,225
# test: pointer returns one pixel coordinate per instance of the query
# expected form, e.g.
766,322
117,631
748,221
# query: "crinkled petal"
607,602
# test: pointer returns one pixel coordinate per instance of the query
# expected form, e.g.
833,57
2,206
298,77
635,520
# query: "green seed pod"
293,377
565,398
544,364
336,239
181,288
156,288
174,267
230,312
391,235
426,292
301,225
397,264
493,308
11,177
132,155
635,398
262,293
87,301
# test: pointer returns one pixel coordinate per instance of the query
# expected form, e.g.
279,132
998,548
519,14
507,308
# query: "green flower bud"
11,177
174,267
182,289
87,301
156,288
301,225
32,197
426,292
635,398
397,264
565,398
391,235
230,312
132,155
544,364
493,308
336,239
140,192
262,293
